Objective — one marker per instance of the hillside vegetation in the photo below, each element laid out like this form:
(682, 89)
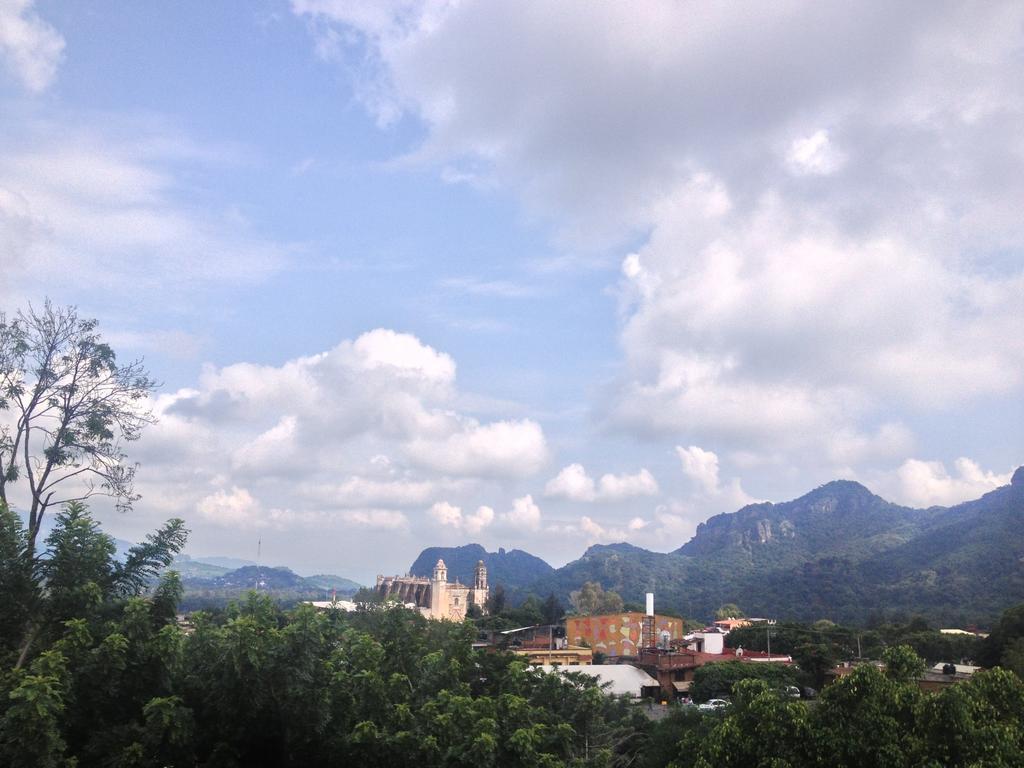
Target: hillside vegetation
(839, 552)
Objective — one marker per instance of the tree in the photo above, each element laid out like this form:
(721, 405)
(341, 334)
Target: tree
(552, 610)
(496, 600)
(79, 572)
(591, 599)
(729, 611)
(902, 664)
(74, 406)
(17, 587)
(815, 659)
(720, 678)
(1003, 635)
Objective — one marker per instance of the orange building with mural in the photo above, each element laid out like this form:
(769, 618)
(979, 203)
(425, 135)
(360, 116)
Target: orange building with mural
(618, 634)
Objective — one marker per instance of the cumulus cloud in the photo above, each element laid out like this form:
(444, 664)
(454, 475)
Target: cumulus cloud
(827, 195)
(524, 516)
(574, 484)
(500, 448)
(236, 507)
(814, 154)
(593, 531)
(449, 515)
(701, 467)
(334, 439)
(924, 483)
(29, 46)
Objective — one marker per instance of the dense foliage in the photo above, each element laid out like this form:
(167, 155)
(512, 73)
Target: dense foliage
(592, 599)
(718, 680)
(819, 646)
(113, 678)
(868, 718)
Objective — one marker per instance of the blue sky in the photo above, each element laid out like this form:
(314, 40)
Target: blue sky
(531, 274)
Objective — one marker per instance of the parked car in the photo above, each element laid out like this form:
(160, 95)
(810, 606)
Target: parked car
(713, 705)
(792, 692)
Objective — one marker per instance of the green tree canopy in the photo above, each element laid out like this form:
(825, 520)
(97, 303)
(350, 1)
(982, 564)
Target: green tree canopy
(592, 599)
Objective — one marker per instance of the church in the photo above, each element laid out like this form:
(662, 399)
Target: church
(436, 597)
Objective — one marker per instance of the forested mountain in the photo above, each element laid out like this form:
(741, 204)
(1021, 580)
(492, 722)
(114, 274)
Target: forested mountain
(512, 569)
(208, 586)
(838, 552)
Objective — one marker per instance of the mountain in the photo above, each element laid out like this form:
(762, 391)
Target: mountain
(189, 568)
(512, 569)
(228, 563)
(209, 586)
(328, 581)
(838, 552)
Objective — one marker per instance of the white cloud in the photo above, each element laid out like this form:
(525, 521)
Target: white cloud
(700, 466)
(595, 532)
(376, 518)
(774, 327)
(925, 483)
(525, 514)
(829, 195)
(617, 487)
(236, 507)
(574, 484)
(515, 448)
(74, 201)
(449, 515)
(814, 154)
(30, 47)
(335, 439)
(403, 354)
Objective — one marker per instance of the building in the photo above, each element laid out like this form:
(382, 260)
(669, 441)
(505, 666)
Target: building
(539, 644)
(436, 597)
(333, 605)
(932, 680)
(619, 634)
(709, 640)
(728, 625)
(618, 679)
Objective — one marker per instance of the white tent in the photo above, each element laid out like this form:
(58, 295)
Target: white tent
(622, 679)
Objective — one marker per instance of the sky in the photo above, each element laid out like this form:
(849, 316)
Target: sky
(530, 274)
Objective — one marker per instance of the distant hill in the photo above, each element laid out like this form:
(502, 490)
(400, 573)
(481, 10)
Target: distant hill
(838, 552)
(196, 569)
(329, 581)
(513, 569)
(228, 563)
(248, 576)
(209, 586)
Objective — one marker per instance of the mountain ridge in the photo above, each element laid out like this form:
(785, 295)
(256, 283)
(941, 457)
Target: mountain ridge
(512, 569)
(839, 551)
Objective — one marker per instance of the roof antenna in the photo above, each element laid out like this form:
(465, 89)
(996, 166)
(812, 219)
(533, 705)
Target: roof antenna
(259, 572)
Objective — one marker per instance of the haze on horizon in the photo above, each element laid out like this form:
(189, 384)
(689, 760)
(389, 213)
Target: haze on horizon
(529, 274)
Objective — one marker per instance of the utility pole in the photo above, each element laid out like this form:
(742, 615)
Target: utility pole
(858, 647)
(768, 634)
